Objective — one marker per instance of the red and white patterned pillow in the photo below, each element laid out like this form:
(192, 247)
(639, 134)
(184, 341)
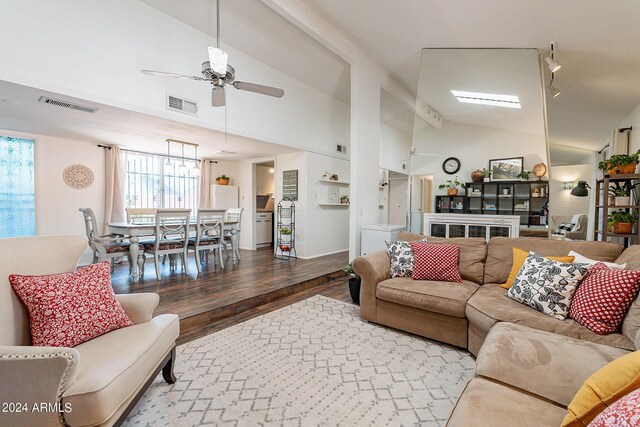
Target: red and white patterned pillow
(436, 262)
(603, 298)
(625, 412)
(70, 308)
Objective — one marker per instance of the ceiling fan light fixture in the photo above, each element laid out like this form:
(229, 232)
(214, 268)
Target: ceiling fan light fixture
(218, 60)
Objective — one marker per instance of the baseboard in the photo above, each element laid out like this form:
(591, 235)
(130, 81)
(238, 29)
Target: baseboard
(324, 254)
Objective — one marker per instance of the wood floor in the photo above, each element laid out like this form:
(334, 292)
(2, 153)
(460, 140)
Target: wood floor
(218, 298)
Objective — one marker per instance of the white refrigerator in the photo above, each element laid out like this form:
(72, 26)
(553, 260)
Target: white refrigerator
(224, 196)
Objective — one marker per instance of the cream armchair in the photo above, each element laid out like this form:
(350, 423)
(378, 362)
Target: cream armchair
(96, 383)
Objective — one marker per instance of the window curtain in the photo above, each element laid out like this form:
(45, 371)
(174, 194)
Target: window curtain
(205, 181)
(114, 192)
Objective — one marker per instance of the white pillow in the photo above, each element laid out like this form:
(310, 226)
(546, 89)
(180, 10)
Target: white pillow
(584, 260)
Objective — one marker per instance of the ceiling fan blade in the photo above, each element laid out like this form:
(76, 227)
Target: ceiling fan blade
(217, 97)
(218, 59)
(165, 74)
(264, 90)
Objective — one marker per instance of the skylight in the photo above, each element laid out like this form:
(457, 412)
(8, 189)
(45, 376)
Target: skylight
(496, 100)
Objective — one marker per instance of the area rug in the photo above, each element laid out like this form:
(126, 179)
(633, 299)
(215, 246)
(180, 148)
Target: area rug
(315, 362)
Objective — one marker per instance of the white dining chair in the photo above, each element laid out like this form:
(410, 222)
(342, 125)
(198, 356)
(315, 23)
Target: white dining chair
(172, 236)
(209, 223)
(232, 237)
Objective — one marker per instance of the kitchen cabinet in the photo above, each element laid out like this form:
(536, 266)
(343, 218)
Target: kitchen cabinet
(264, 228)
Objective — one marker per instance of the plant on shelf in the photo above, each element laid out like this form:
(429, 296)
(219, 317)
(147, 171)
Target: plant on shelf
(621, 192)
(223, 180)
(621, 222)
(452, 186)
(620, 164)
(525, 175)
(354, 283)
(480, 175)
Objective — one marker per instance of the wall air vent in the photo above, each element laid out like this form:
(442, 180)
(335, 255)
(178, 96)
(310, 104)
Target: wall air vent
(181, 105)
(341, 149)
(67, 104)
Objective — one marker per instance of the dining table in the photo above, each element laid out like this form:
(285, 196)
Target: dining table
(134, 230)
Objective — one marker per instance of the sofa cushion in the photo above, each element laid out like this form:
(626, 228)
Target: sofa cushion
(625, 412)
(435, 262)
(603, 298)
(631, 323)
(439, 297)
(527, 358)
(401, 259)
(499, 253)
(68, 309)
(484, 403)
(547, 285)
(518, 259)
(604, 387)
(473, 252)
(489, 305)
(114, 365)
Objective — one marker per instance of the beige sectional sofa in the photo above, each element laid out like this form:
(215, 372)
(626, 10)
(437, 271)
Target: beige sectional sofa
(504, 334)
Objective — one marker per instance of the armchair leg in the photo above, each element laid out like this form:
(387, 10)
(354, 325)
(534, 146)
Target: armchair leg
(167, 370)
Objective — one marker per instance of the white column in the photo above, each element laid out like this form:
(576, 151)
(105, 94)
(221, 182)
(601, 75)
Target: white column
(365, 147)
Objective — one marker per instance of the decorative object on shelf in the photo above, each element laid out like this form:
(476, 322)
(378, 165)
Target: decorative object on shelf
(334, 194)
(452, 186)
(524, 175)
(580, 190)
(78, 176)
(285, 244)
(325, 176)
(621, 222)
(620, 164)
(354, 283)
(621, 192)
(480, 175)
(539, 170)
(508, 169)
(334, 177)
(290, 185)
(451, 165)
(344, 200)
(535, 193)
(223, 180)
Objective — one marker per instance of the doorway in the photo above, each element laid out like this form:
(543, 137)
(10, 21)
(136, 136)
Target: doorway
(264, 203)
(398, 188)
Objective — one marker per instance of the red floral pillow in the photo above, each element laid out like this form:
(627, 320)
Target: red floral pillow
(625, 412)
(70, 308)
(603, 298)
(436, 262)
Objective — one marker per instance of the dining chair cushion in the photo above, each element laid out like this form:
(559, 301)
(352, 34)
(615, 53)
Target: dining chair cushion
(113, 248)
(204, 242)
(165, 245)
(70, 308)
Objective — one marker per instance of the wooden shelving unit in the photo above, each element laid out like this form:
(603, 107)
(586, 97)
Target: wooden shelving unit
(500, 198)
(602, 208)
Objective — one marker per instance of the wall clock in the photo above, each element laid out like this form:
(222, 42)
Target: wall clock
(451, 165)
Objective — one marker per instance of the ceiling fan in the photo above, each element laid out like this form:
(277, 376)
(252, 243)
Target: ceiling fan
(219, 73)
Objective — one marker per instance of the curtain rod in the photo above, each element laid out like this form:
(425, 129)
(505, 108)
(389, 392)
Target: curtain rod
(108, 147)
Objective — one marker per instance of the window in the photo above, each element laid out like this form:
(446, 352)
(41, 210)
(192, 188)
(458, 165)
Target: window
(17, 189)
(151, 183)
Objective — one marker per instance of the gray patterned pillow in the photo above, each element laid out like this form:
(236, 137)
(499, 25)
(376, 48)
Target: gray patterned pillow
(547, 285)
(401, 258)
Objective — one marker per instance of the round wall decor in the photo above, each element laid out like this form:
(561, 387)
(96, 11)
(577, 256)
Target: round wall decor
(78, 176)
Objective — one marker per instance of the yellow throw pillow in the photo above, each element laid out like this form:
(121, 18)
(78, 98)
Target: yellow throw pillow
(519, 257)
(608, 384)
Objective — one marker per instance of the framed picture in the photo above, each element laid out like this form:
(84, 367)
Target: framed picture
(290, 184)
(506, 169)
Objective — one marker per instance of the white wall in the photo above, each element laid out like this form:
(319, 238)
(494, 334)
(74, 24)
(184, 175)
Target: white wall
(95, 50)
(57, 204)
(265, 180)
(633, 120)
(395, 147)
(474, 146)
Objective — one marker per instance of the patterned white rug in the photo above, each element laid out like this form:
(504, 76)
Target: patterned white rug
(315, 362)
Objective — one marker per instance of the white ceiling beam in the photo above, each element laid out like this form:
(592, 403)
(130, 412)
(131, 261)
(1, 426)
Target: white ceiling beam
(315, 26)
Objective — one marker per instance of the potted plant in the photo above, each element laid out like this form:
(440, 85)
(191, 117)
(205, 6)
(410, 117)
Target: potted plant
(524, 175)
(223, 180)
(621, 222)
(620, 164)
(480, 175)
(621, 193)
(452, 186)
(354, 284)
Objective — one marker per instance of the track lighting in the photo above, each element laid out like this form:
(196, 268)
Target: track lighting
(551, 59)
(554, 91)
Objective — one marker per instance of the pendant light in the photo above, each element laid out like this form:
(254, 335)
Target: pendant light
(168, 166)
(182, 169)
(195, 171)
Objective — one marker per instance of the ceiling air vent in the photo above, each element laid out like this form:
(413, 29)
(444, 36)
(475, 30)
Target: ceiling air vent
(67, 104)
(181, 105)
(341, 149)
